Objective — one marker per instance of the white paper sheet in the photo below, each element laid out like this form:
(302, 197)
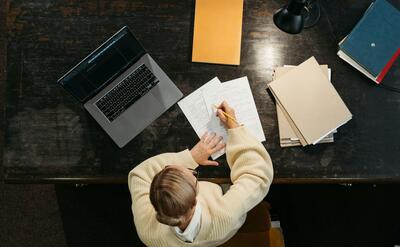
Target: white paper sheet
(198, 108)
(195, 110)
(237, 93)
(214, 97)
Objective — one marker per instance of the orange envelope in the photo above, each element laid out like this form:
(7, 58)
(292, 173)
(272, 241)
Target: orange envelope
(217, 31)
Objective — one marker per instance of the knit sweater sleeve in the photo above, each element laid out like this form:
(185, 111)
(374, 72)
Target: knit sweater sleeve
(139, 181)
(251, 171)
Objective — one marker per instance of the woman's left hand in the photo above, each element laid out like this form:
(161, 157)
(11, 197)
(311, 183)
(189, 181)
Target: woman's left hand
(208, 144)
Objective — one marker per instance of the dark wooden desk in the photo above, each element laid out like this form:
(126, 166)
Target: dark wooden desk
(49, 137)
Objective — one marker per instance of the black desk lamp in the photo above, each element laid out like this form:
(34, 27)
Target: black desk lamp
(298, 14)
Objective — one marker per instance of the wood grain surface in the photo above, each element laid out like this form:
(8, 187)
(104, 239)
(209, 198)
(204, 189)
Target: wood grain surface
(49, 137)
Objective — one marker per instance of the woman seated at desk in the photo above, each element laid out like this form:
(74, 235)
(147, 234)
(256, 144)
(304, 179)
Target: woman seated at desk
(171, 208)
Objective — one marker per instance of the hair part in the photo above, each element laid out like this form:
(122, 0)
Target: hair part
(172, 196)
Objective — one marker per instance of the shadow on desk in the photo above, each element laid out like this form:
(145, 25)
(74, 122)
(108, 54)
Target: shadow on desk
(97, 215)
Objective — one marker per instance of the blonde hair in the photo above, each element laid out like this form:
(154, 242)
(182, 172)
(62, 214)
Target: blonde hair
(172, 196)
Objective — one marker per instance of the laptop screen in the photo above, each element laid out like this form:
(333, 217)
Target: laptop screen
(103, 65)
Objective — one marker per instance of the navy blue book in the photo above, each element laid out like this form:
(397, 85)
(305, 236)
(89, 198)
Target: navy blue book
(374, 43)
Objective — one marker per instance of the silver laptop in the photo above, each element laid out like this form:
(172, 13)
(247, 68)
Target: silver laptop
(121, 86)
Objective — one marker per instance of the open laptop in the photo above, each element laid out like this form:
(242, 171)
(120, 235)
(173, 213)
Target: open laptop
(121, 86)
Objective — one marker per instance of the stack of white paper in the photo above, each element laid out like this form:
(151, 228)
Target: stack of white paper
(201, 114)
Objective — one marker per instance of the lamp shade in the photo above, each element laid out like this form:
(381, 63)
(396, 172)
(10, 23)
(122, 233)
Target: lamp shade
(290, 18)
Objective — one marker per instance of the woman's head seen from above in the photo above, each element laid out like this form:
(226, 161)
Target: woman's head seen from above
(173, 194)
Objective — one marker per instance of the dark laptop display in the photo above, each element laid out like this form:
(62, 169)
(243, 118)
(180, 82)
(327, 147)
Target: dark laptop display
(103, 65)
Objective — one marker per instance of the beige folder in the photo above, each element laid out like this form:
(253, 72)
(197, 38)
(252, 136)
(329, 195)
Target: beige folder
(310, 101)
(217, 31)
(287, 135)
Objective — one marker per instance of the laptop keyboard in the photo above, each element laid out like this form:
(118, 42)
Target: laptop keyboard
(127, 92)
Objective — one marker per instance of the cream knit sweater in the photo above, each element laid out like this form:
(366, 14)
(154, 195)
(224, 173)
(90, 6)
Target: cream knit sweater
(222, 214)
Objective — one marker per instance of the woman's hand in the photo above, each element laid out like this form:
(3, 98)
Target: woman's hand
(208, 144)
(229, 123)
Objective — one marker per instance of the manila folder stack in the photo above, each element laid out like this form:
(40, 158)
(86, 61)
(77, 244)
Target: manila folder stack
(310, 101)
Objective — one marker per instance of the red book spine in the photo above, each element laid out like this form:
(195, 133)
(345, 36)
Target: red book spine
(388, 66)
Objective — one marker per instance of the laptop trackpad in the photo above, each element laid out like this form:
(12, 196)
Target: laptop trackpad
(143, 112)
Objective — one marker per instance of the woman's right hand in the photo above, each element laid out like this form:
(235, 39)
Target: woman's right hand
(229, 123)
